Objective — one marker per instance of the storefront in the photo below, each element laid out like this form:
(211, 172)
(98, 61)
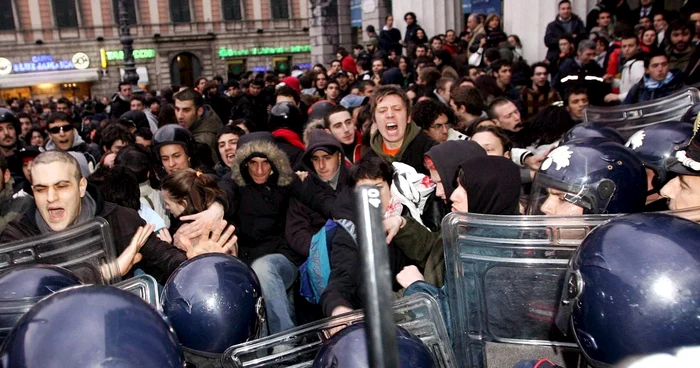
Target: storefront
(280, 59)
(45, 76)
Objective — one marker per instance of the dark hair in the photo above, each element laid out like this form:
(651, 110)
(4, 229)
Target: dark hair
(196, 83)
(434, 38)
(115, 132)
(488, 87)
(167, 115)
(23, 114)
(145, 133)
(65, 101)
(574, 89)
(494, 104)
(117, 185)
(421, 91)
(248, 123)
(653, 54)
(500, 63)
(536, 65)
(137, 159)
(364, 63)
(230, 129)
(476, 124)
(680, 25)
(412, 14)
(425, 113)
(122, 83)
(430, 76)
(492, 54)
(197, 190)
(288, 91)
(28, 136)
(363, 85)
(332, 111)
(258, 82)
(371, 167)
(499, 133)
(58, 116)
(342, 51)
(569, 37)
(190, 94)
(139, 98)
(470, 98)
(546, 127)
(563, 2)
(152, 100)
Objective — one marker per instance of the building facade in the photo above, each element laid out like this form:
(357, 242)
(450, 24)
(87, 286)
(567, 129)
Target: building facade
(72, 47)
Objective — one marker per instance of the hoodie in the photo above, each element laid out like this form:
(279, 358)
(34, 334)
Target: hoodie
(303, 222)
(91, 152)
(447, 156)
(492, 184)
(415, 144)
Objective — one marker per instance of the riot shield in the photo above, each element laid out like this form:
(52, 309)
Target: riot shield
(145, 287)
(504, 276)
(627, 119)
(87, 250)
(418, 313)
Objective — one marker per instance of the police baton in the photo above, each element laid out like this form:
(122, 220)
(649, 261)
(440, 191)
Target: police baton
(379, 316)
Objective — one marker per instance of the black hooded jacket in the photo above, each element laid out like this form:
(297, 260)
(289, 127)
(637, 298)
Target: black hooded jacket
(492, 184)
(447, 156)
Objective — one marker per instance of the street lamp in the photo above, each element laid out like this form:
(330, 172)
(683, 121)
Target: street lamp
(127, 41)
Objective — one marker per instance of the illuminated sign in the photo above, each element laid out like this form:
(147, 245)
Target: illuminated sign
(225, 52)
(304, 66)
(138, 54)
(47, 63)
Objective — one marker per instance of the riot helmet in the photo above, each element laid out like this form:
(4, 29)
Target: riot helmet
(285, 115)
(348, 348)
(656, 144)
(173, 134)
(589, 176)
(593, 130)
(213, 301)
(632, 288)
(92, 326)
(23, 286)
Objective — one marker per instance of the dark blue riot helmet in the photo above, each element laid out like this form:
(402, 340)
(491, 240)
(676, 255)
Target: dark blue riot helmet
(595, 174)
(348, 348)
(92, 326)
(593, 130)
(692, 114)
(21, 287)
(213, 301)
(656, 144)
(173, 134)
(633, 288)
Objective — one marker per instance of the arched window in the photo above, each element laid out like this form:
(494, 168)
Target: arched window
(184, 68)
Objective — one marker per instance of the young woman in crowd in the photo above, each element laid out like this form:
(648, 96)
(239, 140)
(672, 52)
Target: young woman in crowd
(648, 41)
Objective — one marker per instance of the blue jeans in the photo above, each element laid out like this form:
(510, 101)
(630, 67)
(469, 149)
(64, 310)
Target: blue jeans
(277, 275)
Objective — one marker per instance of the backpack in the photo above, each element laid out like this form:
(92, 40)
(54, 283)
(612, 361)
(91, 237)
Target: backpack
(316, 270)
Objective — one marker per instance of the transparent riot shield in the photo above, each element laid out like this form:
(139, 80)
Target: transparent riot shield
(504, 276)
(418, 313)
(628, 119)
(87, 250)
(145, 287)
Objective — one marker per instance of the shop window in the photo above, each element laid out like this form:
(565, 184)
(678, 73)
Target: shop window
(233, 10)
(130, 10)
(180, 11)
(66, 13)
(7, 19)
(281, 64)
(280, 9)
(184, 68)
(235, 68)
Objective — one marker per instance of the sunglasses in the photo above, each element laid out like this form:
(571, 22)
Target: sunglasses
(62, 128)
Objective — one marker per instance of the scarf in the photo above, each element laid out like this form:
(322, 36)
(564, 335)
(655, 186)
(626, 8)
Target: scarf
(412, 131)
(654, 84)
(88, 207)
(289, 136)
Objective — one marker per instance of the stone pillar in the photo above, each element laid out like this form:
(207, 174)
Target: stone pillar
(373, 12)
(329, 28)
(529, 19)
(434, 16)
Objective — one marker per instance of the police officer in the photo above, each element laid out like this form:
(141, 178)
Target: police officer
(683, 191)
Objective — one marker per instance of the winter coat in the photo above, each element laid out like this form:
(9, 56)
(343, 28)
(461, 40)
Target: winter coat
(206, 128)
(260, 210)
(632, 73)
(410, 32)
(556, 29)
(11, 207)
(90, 150)
(680, 61)
(389, 40)
(118, 106)
(159, 260)
(415, 144)
(241, 108)
(642, 92)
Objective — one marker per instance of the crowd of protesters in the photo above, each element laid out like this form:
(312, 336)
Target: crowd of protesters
(458, 121)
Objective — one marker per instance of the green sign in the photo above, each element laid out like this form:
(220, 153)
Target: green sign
(225, 52)
(138, 54)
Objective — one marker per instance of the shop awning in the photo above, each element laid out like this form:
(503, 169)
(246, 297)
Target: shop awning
(54, 77)
(141, 71)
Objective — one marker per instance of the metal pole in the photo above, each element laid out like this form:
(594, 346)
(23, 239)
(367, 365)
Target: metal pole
(127, 41)
(379, 317)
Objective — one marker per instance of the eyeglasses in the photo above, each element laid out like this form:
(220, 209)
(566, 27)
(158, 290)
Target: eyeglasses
(440, 126)
(62, 128)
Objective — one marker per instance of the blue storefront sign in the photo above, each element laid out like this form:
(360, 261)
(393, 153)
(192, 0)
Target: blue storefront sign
(482, 6)
(356, 13)
(42, 63)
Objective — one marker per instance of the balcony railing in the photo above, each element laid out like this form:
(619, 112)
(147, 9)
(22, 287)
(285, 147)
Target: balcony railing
(243, 27)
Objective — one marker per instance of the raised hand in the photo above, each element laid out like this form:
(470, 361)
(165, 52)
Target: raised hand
(131, 256)
(218, 240)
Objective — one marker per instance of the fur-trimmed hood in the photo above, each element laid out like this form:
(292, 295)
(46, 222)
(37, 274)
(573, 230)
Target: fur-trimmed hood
(282, 173)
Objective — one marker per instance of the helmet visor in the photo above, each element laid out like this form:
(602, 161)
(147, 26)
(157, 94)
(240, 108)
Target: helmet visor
(550, 196)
